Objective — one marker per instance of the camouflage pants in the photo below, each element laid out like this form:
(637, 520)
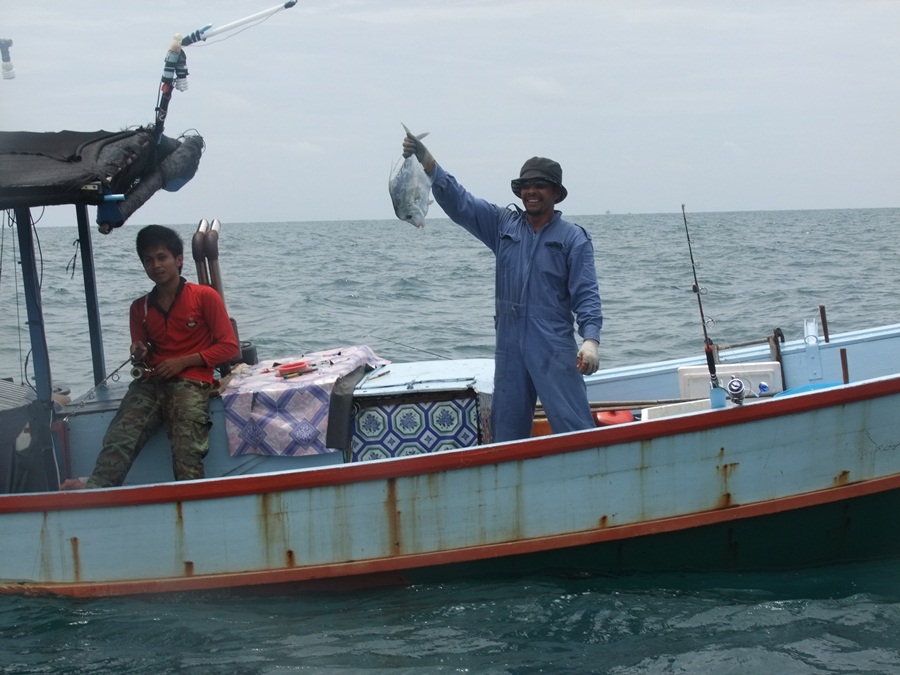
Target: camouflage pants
(182, 405)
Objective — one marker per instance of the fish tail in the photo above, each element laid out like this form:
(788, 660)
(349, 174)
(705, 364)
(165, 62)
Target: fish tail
(409, 133)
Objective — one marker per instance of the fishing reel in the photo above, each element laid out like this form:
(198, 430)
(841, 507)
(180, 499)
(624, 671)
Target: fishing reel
(737, 390)
(141, 371)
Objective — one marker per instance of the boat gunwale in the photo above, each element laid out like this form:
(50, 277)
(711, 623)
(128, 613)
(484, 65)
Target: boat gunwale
(450, 460)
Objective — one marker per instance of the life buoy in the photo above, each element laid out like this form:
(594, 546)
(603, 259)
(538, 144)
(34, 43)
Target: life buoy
(606, 417)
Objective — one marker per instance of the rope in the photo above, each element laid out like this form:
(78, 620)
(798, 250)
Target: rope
(405, 346)
(73, 262)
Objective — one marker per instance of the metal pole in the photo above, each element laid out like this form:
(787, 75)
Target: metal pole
(90, 293)
(40, 357)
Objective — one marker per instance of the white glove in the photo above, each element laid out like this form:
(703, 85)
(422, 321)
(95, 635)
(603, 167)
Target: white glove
(589, 357)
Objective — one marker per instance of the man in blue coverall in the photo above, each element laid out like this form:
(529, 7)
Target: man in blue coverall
(545, 277)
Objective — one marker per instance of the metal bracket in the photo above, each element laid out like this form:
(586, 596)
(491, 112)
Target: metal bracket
(813, 357)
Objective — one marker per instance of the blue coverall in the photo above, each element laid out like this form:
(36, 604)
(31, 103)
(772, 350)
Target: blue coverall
(542, 280)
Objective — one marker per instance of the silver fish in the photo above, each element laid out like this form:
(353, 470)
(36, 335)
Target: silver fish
(410, 187)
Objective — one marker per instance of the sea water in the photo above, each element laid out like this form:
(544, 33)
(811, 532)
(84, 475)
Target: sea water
(428, 294)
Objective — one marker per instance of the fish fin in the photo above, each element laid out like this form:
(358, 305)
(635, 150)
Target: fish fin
(409, 133)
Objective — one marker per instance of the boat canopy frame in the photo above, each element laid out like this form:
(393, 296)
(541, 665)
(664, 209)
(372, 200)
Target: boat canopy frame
(115, 171)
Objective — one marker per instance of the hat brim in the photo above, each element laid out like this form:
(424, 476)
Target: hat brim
(517, 191)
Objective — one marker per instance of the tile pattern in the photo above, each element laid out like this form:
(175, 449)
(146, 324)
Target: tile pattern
(414, 427)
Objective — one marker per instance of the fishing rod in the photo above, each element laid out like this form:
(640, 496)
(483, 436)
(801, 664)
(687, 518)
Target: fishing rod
(400, 344)
(175, 70)
(90, 394)
(717, 394)
(208, 31)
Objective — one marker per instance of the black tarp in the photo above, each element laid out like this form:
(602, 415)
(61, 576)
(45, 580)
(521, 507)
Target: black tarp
(81, 167)
(15, 403)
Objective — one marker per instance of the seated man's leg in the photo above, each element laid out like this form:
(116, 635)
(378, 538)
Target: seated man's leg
(186, 415)
(140, 413)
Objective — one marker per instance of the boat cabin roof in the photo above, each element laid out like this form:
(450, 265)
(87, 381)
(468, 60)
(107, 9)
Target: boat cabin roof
(117, 171)
(426, 376)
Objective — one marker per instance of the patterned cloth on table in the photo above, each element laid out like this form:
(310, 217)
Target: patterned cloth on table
(266, 414)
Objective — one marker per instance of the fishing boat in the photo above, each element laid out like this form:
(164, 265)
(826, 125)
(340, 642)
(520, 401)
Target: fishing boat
(339, 469)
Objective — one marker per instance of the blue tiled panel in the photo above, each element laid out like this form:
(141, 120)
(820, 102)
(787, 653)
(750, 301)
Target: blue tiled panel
(414, 428)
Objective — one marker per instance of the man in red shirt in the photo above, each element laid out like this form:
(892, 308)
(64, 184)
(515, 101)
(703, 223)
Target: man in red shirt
(180, 331)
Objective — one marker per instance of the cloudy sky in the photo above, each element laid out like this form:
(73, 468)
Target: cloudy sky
(726, 106)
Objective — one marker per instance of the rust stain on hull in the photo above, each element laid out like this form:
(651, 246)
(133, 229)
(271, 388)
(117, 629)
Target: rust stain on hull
(393, 516)
(843, 478)
(179, 536)
(725, 472)
(76, 558)
(273, 526)
(46, 562)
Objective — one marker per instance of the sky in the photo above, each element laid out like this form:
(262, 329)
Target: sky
(646, 104)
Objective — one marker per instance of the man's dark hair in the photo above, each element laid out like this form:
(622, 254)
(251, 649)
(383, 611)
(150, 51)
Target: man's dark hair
(153, 235)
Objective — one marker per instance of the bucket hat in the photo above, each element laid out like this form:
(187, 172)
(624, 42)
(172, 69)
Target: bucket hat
(540, 167)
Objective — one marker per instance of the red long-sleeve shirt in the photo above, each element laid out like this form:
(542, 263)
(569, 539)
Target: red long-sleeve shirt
(197, 322)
